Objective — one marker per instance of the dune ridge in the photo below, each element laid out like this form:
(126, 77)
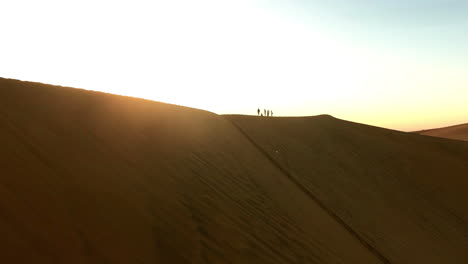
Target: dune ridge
(457, 132)
(89, 177)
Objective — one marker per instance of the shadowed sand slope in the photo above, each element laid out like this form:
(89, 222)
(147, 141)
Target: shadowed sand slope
(88, 177)
(404, 194)
(459, 132)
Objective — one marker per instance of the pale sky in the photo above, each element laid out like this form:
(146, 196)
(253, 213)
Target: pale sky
(395, 64)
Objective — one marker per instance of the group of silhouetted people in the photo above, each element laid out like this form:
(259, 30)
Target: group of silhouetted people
(265, 112)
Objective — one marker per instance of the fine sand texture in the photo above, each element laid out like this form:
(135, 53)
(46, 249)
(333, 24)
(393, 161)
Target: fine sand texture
(90, 177)
(404, 194)
(458, 132)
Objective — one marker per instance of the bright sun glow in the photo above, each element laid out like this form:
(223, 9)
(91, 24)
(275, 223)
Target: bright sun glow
(225, 57)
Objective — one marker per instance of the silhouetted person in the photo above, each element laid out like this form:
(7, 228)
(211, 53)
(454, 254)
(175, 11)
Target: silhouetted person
(258, 111)
(271, 113)
(268, 112)
(264, 112)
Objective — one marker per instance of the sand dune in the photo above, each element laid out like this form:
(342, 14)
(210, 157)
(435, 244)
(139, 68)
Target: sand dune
(458, 132)
(88, 177)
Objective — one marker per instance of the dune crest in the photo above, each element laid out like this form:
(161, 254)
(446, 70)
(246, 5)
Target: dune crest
(458, 132)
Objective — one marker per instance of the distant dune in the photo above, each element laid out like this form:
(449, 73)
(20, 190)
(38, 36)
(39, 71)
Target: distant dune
(89, 177)
(458, 132)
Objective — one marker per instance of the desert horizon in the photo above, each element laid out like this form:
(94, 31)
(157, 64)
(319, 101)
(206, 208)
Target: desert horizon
(422, 128)
(394, 64)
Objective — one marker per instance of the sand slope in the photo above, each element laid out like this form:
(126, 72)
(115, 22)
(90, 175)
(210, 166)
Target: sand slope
(405, 194)
(459, 132)
(88, 177)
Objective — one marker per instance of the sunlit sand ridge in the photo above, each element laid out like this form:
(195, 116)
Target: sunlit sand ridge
(458, 132)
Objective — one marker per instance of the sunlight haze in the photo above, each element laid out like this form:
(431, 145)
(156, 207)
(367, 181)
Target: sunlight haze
(395, 64)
